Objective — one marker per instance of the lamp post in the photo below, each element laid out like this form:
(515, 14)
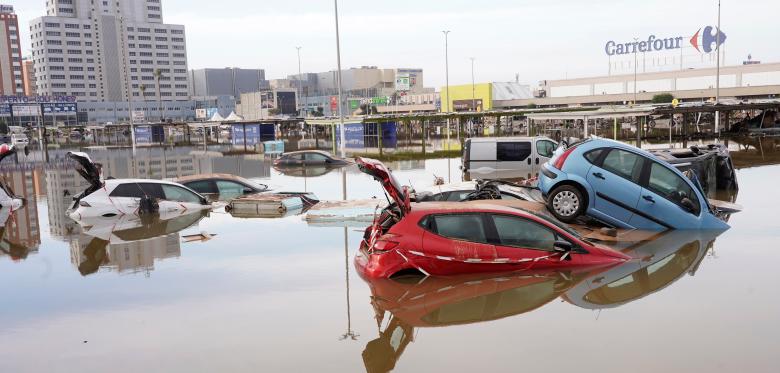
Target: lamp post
(300, 86)
(473, 96)
(717, 76)
(447, 78)
(636, 41)
(338, 65)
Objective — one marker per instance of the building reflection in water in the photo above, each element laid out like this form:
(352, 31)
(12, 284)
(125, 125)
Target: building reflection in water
(21, 233)
(129, 244)
(403, 304)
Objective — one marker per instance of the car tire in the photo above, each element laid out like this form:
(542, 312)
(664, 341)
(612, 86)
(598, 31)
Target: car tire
(566, 202)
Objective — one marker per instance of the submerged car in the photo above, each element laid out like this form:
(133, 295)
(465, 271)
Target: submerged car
(221, 186)
(113, 197)
(449, 238)
(309, 158)
(623, 186)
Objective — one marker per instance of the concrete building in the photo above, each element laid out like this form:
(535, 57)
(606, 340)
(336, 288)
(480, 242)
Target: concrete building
(481, 96)
(739, 81)
(261, 105)
(107, 50)
(28, 77)
(11, 80)
(230, 81)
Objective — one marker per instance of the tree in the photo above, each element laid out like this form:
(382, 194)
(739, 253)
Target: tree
(319, 113)
(531, 106)
(663, 98)
(157, 76)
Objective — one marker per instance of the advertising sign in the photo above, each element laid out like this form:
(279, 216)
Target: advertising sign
(252, 134)
(5, 110)
(143, 134)
(200, 114)
(334, 103)
(138, 116)
(38, 99)
(59, 108)
(354, 104)
(22, 110)
(380, 100)
(403, 82)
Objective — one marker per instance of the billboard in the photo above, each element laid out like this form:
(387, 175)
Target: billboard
(138, 116)
(143, 134)
(403, 82)
(285, 102)
(334, 103)
(252, 134)
(59, 108)
(5, 110)
(200, 114)
(26, 110)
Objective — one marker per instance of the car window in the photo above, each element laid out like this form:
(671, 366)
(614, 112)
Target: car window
(230, 187)
(316, 157)
(519, 232)
(669, 185)
(623, 163)
(468, 227)
(457, 196)
(593, 155)
(201, 186)
(179, 194)
(512, 151)
(545, 148)
(137, 190)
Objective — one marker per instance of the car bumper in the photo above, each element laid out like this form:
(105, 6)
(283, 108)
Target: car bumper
(547, 178)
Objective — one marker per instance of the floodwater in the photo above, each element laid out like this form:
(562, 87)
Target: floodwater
(278, 295)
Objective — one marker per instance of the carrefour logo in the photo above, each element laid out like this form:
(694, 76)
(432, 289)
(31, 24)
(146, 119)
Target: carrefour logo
(705, 42)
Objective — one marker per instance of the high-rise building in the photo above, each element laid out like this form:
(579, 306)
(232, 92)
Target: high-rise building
(11, 82)
(93, 49)
(28, 77)
(230, 81)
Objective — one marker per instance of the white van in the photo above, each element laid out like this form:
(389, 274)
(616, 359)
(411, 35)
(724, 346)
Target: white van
(506, 157)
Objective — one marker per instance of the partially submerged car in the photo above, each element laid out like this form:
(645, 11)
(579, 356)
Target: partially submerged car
(448, 238)
(309, 158)
(625, 187)
(221, 187)
(8, 199)
(113, 197)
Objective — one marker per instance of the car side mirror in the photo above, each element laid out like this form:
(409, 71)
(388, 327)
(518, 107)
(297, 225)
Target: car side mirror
(248, 190)
(687, 204)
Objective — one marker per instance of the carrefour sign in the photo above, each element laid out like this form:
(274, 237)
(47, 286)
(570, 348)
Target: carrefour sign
(704, 40)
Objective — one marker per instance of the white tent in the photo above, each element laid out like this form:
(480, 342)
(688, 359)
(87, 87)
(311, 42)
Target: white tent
(216, 118)
(233, 117)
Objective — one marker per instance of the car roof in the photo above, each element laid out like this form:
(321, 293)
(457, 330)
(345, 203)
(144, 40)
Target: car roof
(310, 151)
(199, 177)
(114, 182)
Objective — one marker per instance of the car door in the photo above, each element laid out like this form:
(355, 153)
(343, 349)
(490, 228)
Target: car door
(176, 198)
(661, 206)
(459, 236)
(615, 182)
(544, 150)
(481, 160)
(514, 159)
(520, 238)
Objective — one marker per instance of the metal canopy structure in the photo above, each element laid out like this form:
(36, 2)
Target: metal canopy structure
(600, 113)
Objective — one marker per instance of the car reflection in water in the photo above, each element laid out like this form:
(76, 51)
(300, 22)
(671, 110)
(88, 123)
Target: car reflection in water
(660, 263)
(129, 243)
(447, 301)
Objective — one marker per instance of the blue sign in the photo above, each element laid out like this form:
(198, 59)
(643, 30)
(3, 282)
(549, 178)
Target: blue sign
(252, 134)
(143, 134)
(60, 108)
(703, 42)
(5, 109)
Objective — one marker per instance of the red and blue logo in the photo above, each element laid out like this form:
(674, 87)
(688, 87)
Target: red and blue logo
(709, 40)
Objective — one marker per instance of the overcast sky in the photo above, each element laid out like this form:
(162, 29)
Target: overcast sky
(535, 39)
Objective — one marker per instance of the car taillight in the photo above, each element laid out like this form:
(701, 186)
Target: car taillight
(84, 204)
(560, 160)
(383, 246)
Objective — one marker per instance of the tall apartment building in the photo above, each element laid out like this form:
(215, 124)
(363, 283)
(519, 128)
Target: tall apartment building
(28, 76)
(11, 82)
(92, 49)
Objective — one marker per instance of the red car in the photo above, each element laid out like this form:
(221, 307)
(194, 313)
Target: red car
(449, 238)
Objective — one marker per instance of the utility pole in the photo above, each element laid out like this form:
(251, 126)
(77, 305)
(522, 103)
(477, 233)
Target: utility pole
(300, 84)
(636, 41)
(717, 76)
(338, 65)
(127, 81)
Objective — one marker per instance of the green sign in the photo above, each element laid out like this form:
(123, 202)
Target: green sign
(379, 100)
(354, 104)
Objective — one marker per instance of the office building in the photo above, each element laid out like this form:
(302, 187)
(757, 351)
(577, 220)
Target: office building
(28, 77)
(11, 81)
(109, 51)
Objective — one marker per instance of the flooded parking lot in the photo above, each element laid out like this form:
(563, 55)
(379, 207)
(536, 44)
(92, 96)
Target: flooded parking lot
(283, 295)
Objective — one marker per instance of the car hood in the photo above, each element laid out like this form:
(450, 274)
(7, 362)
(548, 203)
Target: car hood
(89, 170)
(382, 174)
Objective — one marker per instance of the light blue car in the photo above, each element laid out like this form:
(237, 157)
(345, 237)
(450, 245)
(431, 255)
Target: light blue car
(623, 186)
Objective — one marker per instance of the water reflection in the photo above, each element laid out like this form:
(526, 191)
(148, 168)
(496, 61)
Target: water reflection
(129, 243)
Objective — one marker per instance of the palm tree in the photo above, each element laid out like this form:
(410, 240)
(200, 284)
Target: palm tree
(157, 76)
(143, 91)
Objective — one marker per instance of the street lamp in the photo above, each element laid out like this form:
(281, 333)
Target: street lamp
(338, 65)
(447, 78)
(636, 42)
(473, 96)
(717, 76)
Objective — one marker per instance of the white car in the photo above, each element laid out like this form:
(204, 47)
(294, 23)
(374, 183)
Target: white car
(112, 197)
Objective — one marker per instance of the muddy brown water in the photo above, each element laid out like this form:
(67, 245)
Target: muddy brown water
(279, 295)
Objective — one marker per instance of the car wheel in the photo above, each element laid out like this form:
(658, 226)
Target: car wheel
(566, 203)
